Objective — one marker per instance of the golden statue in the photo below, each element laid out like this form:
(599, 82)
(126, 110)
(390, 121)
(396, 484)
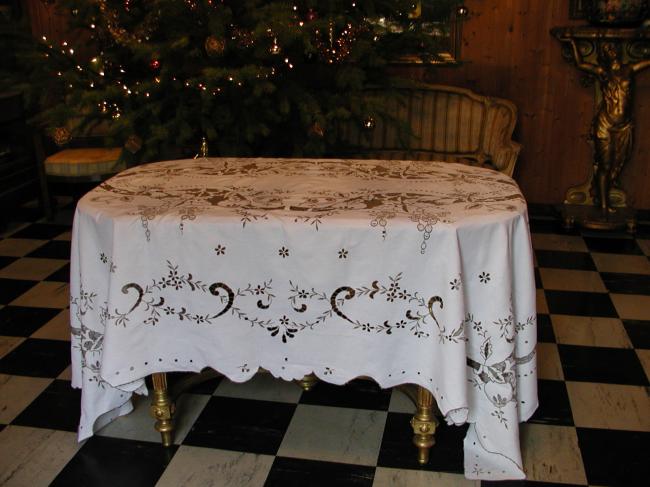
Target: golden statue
(612, 126)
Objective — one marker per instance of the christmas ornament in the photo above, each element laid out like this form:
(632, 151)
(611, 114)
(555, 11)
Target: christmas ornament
(275, 48)
(154, 64)
(317, 129)
(61, 136)
(214, 46)
(133, 144)
(203, 150)
(369, 123)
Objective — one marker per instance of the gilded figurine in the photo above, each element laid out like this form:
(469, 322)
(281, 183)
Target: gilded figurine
(612, 126)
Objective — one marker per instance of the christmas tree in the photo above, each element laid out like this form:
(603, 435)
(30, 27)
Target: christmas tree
(254, 77)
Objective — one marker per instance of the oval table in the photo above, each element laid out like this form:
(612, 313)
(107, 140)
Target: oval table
(405, 272)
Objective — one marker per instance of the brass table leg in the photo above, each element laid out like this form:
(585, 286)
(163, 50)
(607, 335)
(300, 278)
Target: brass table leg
(162, 408)
(308, 382)
(424, 424)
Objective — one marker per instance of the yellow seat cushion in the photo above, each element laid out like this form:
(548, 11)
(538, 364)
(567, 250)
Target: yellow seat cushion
(85, 162)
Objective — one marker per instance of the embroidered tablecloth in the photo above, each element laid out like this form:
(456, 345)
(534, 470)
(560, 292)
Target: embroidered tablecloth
(401, 271)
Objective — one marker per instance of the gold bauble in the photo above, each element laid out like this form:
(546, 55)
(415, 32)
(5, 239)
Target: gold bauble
(61, 136)
(133, 144)
(275, 48)
(214, 46)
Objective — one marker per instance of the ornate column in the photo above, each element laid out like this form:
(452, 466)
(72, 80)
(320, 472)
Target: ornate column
(611, 57)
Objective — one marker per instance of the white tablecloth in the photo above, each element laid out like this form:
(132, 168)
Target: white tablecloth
(402, 271)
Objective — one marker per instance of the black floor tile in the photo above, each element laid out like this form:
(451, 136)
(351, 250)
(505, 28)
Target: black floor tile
(614, 458)
(241, 425)
(598, 364)
(612, 245)
(554, 406)
(294, 472)
(545, 331)
(626, 283)
(25, 214)
(5, 261)
(558, 259)
(43, 231)
(23, 321)
(57, 407)
(10, 289)
(37, 358)
(360, 394)
(639, 332)
(589, 232)
(111, 462)
(397, 449)
(62, 275)
(550, 225)
(54, 249)
(580, 304)
(174, 380)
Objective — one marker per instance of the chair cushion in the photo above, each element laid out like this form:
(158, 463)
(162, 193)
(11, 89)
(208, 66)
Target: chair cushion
(85, 162)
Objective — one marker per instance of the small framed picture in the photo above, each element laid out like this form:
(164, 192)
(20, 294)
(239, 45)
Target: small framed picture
(577, 9)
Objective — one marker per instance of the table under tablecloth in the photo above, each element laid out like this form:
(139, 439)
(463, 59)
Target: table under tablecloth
(401, 271)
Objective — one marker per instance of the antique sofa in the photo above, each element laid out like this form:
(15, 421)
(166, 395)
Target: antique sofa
(446, 124)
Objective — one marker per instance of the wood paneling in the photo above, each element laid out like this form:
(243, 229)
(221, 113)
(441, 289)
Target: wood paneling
(508, 52)
(44, 20)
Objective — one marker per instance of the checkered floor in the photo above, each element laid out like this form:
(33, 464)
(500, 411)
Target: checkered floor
(592, 427)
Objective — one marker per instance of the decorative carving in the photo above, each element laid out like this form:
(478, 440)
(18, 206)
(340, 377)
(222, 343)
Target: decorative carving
(612, 57)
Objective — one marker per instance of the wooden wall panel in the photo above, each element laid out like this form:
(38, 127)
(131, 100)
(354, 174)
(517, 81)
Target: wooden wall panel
(44, 20)
(508, 52)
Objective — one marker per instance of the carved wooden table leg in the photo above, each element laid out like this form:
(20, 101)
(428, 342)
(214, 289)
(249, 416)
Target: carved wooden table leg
(162, 408)
(424, 424)
(308, 382)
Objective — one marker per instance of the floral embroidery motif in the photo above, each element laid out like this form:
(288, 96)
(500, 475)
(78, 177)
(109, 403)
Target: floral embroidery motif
(111, 266)
(220, 249)
(343, 254)
(153, 300)
(88, 341)
(455, 284)
(153, 304)
(283, 252)
(424, 205)
(484, 277)
(497, 380)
